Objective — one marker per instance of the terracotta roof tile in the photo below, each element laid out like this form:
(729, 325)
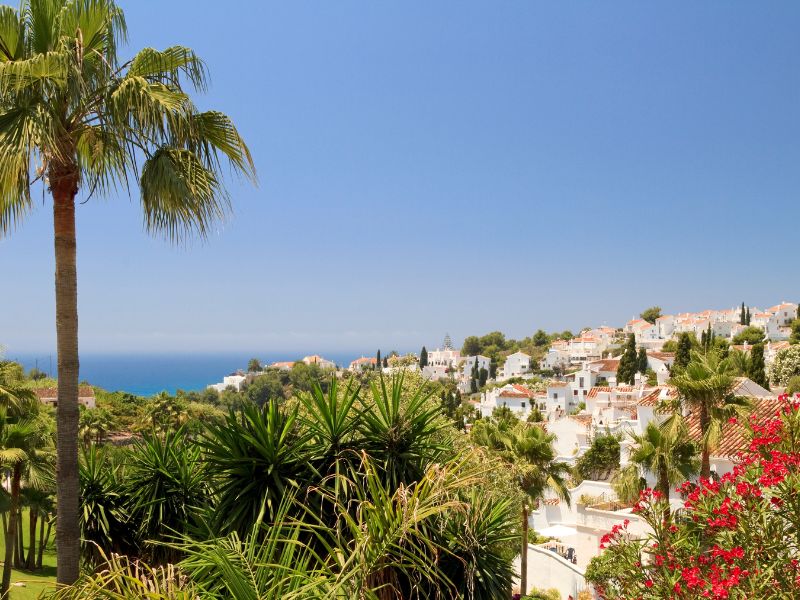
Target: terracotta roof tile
(734, 437)
(84, 391)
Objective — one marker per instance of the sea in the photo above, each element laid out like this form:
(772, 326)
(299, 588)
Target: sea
(148, 374)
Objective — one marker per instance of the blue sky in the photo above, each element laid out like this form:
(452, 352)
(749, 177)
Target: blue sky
(452, 167)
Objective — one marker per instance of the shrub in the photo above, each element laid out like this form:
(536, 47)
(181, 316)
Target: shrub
(712, 547)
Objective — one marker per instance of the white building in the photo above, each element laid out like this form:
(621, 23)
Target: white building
(322, 363)
(516, 397)
(516, 365)
(49, 396)
(234, 380)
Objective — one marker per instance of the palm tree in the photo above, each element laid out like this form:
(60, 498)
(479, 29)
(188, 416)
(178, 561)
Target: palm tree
(666, 453)
(706, 385)
(15, 395)
(529, 449)
(77, 118)
(22, 453)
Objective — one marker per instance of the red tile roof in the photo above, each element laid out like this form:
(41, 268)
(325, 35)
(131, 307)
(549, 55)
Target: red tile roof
(650, 399)
(522, 390)
(734, 436)
(585, 420)
(597, 389)
(608, 364)
(51, 393)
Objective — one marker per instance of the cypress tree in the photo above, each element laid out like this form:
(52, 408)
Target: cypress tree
(641, 361)
(703, 340)
(742, 316)
(756, 370)
(628, 363)
(423, 358)
(483, 374)
(378, 362)
(683, 353)
(747, 317)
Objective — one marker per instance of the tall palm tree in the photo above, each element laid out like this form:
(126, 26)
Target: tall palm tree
(77, 118)
(666, 453)
(706, 385)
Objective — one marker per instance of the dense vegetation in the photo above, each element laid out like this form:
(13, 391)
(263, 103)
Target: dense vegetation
(362, 487)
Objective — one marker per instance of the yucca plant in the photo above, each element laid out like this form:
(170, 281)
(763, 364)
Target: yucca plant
(477, 540)
(402, 431)
(256, 457)
(166, 488)
(106, 526)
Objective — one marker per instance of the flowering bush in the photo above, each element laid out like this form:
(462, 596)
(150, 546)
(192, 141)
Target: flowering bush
(737, 537)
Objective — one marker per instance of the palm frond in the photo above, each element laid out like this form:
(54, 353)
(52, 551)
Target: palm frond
(180, 195)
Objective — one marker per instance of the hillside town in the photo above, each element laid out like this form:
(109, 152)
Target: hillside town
(576, 391)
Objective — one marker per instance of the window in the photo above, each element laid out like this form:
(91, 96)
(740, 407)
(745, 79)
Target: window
(584, 392)
(580, 384)
(555, 395)
(574, 392)
(522, 404)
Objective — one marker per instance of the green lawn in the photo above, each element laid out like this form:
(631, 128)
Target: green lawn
(35, 581)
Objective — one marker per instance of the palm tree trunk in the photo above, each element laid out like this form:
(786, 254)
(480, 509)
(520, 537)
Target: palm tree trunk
(523, 558)
(19, 551)
(43, 539)
(64, 185)
(705, 459)
(30, 563)
(11, 534)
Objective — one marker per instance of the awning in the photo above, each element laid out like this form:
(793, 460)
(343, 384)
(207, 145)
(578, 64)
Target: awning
(558, 531)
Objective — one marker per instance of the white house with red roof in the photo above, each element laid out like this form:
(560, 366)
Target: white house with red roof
(363, 364)
(517, 398)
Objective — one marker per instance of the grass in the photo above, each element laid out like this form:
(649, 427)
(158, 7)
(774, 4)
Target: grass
(35, 581)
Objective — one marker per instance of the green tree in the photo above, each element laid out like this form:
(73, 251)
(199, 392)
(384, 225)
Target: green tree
(423, 358)
(540, 338)
(600, 460)
(756, 369)
(651, 314)
(706, 385)
(254, 365)
(641, 361)
(77, 117)
(266, 387)
(626, 372)
(795, 336)
(747, 317)
(750, 335)
(743, 316)
(483, 375)
(472, 346)
(683, 351)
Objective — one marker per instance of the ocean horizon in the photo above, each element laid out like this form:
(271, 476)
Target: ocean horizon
(145, 374)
